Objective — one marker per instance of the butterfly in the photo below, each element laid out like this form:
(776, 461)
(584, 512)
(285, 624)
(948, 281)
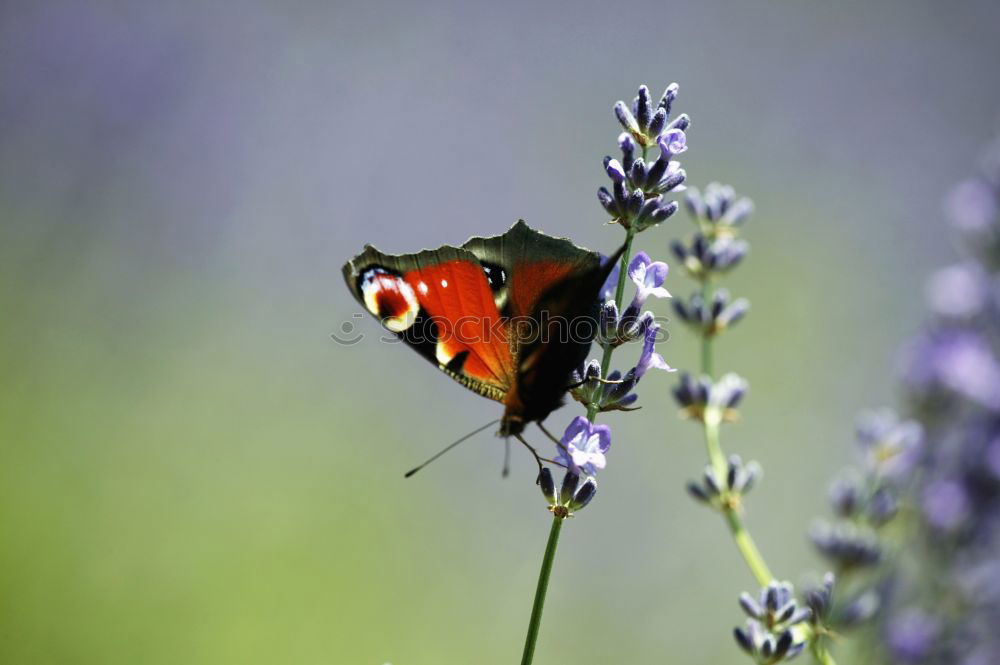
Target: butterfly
(508, 317)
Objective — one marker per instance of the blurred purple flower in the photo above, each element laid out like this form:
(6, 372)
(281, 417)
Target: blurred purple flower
(956, 361)
(584, 446)
(960, 291)
(945, 504)
(892, 446)
(952, 372)
(993, 457)
(911, 635)
(972, 206)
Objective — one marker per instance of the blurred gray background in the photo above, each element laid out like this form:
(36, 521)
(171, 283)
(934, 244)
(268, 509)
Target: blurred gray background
(193, 472)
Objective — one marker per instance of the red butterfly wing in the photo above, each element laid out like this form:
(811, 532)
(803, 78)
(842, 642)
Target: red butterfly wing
(462, 308)
(440, 303)
(550, 294)
(530, 262)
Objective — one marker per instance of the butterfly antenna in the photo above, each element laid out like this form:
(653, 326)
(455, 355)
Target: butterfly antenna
(506, 458)
(450, 446)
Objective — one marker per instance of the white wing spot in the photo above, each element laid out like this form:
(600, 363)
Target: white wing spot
(444, 284)
(423, 288)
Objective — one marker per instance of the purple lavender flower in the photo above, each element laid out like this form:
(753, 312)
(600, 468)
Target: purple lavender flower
(584, 446)
(945, 504)
(891, 446)
(993, 457)
(626, 118)
(615, 170)
(648, 277)
(710, 319)
(628, 146)
(703, 256)
(636, 199)
(719, 207)
(911, 636)
(649, 358)
(701, 399)
(972, 207)
(769, 635)
(960, 291)
(740, 478)
(952, 375)
(616, 392)
(953, 362)
(572, 495)
(727, 392)
(672, 142)
(611, 283)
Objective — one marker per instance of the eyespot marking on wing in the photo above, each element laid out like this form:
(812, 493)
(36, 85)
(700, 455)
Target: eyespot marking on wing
(389, 298)
(496, 276)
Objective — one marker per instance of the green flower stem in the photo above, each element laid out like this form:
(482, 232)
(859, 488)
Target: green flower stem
(744, 541)
(543, 584)
(557, 520)
(712, 446)
(713, 420)
(822, 656)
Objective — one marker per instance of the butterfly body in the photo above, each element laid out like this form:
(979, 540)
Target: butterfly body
(508, 317)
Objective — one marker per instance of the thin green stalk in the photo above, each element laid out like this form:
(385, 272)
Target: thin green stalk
(543, 584)
(741, 537)
(744, 541)
(822, 656)
(714, 449)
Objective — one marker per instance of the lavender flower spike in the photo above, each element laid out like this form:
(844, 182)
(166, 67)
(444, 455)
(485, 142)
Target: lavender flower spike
(584, 446)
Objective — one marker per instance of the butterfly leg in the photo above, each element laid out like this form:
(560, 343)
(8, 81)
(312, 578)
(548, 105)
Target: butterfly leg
(551, 437)
(531, 449)
(538, 458)
(609, 382)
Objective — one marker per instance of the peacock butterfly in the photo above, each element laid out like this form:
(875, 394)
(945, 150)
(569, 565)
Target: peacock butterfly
(508, 317)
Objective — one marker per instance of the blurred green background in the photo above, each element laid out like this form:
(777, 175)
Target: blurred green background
(193, 472)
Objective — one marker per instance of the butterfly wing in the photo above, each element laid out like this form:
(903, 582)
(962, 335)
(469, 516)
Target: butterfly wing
(568, 317)
(522, 263)
(439, 302)
(548, 290)
(507, 316)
